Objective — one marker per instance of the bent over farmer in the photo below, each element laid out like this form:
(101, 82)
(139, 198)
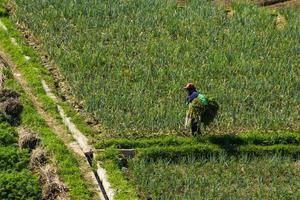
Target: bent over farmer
(197, 103)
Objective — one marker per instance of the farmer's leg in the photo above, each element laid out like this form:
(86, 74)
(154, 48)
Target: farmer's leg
(195, 127)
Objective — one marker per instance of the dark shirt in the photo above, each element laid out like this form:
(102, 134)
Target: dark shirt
(193, 94)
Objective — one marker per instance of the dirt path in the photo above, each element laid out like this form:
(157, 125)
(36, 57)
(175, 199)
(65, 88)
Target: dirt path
(56, 127)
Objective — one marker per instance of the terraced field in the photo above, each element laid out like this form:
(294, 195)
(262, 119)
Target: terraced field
(111, 52)
(223, 177)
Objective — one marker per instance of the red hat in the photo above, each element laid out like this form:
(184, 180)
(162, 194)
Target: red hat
(189, 86)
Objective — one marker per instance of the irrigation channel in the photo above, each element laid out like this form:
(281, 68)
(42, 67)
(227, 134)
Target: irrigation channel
(81, 146)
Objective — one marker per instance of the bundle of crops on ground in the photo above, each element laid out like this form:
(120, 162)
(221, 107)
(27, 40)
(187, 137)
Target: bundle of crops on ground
(128, 60)
(224, 177)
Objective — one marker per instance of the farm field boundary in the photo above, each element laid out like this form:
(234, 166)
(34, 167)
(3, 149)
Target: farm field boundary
(99, 172)
(200, 149)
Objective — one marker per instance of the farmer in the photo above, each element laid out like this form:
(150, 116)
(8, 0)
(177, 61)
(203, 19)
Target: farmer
(197, 103)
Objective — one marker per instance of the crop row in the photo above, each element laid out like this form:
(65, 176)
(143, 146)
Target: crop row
(127, 61)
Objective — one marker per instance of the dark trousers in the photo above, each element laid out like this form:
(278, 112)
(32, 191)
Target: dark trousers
(195, 127)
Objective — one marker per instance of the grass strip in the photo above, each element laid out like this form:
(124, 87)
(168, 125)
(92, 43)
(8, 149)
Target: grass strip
(116, 178)
(157, 153)
(110, 160)
(279, 149)
(242, 139)
(144, 142)
(200, 150)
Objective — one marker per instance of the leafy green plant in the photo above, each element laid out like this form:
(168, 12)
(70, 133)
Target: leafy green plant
(12, 158)
(19, 185)
(7, 135)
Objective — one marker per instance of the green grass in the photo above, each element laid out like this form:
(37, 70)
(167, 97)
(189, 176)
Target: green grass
(128, 61)
(256, 138)
(269, 177)
(125, 188)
